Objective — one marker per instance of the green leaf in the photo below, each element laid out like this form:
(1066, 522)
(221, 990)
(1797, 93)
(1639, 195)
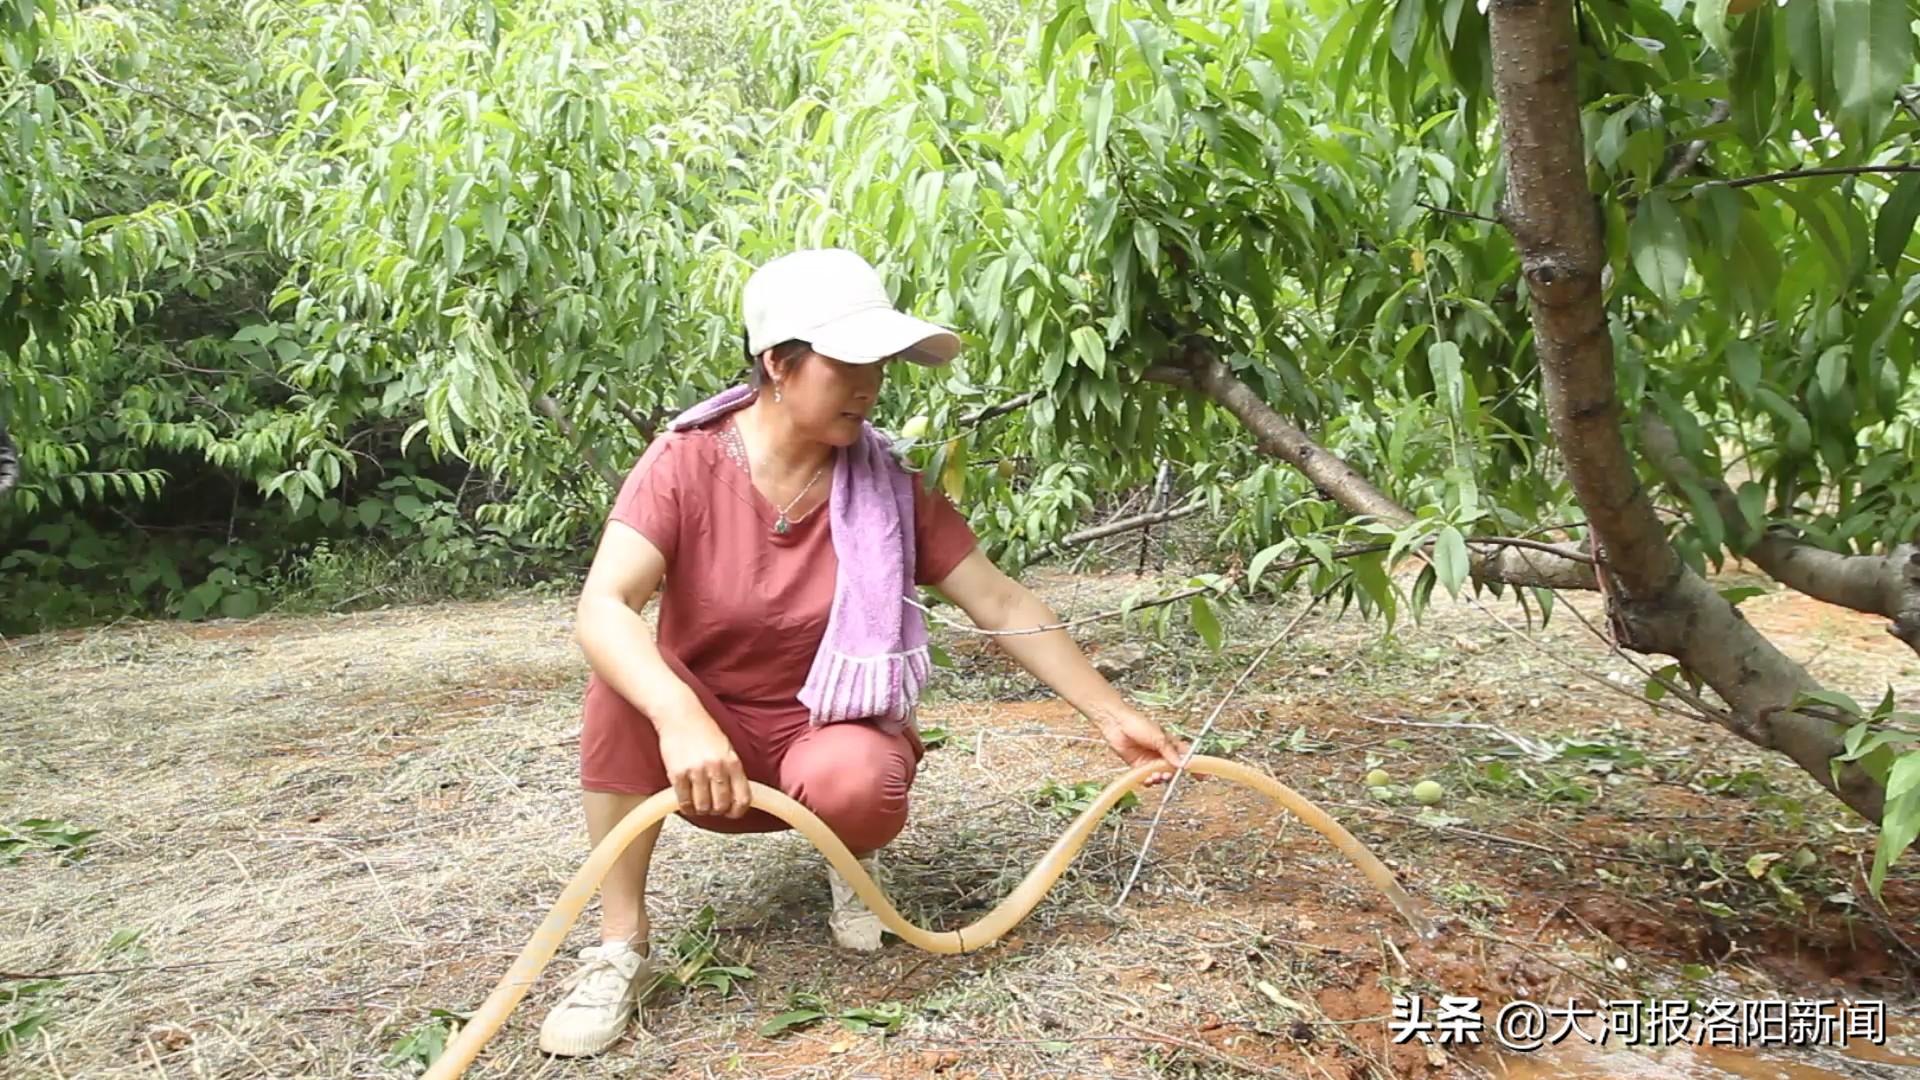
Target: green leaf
(1100, 117)
(1370, 572)
(1872, 55)
(493, 223)
(456, 247)
(1090, 349)
(1743, 363)
(1808, 34)
(1706, 517)
(1362, 22)
(240, 605)
(1450, 559)
(1831, 371)
(787, 1021)
(1146, 239)
(1658, 242)
(1406, 28)
(1710, 17)
(1260, 562)
(1893, 228)
(1905, 776)
(1831, 698)
(1899, 826)
(1754, 80)
(1206, 623)
(1449, 384)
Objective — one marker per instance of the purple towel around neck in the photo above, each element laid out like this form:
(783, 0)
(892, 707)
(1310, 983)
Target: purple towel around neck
(874, 659)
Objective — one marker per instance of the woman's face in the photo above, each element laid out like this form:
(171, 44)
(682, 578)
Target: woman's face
(827, 399)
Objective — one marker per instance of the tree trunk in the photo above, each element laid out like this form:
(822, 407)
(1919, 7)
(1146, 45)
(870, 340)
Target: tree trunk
(1656, 603)
(1876, 584)
(1200, 370)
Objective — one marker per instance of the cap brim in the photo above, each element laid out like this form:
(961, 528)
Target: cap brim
(868, 337)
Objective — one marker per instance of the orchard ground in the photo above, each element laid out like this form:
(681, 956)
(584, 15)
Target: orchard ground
(314, 832)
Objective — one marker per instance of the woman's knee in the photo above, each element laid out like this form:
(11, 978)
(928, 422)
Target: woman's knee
(855, 778)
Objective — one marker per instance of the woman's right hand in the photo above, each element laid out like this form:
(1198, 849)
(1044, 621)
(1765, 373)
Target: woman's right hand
(705, 772)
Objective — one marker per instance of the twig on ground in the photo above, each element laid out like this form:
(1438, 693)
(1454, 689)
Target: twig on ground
(1494, 838)
(1619, 988)
(1194, 747)
(1530, 748)
(1203, 1049)
(29, 976)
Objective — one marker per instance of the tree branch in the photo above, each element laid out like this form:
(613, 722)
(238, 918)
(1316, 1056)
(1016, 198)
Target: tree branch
(1199, 369)
(1690, 156)
(646, 427)
(1468, 214)
(1014, 404)
(552, 411)
(1824, 170)
(1876, 584)
(1138, 521)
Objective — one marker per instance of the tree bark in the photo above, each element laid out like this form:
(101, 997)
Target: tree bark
(1656, 603)
(1201, 371)
(647, 426)
(1876, 584)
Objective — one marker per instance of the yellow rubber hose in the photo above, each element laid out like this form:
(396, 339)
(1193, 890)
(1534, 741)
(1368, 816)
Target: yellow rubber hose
(987, 929)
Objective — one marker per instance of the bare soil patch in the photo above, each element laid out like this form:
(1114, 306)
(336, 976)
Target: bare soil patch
(321, 829)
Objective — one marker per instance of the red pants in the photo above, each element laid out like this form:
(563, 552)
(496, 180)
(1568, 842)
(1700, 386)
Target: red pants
(853, 775)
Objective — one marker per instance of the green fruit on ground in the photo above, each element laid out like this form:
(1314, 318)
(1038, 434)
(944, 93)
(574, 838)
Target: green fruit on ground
(1378, 778)
(1429, 792)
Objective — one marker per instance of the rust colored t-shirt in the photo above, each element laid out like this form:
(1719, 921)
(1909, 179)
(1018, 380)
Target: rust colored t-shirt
(744, 607)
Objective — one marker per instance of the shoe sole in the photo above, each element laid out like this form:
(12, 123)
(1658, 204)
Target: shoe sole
(581, 1046)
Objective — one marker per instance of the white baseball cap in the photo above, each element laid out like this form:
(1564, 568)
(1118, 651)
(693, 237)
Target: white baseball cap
(834, 300)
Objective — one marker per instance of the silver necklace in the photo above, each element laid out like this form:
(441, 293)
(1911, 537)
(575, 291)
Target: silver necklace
(782, 525)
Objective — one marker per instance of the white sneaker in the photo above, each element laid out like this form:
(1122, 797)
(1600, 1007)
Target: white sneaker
(603, 996)
(854, 926)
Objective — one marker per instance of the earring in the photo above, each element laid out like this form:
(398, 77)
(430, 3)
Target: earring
(776, 391)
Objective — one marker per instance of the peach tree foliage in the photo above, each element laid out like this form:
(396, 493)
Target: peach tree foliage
(263, 241)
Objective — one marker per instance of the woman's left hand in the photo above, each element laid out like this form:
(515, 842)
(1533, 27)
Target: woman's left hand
(1140, 741)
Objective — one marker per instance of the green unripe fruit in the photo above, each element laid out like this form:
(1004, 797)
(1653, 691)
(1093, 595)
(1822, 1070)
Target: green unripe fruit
(1378, 778)
(1429, 792)
(915, 427)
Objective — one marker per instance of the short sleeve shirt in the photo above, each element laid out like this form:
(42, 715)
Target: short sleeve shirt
(745, 607)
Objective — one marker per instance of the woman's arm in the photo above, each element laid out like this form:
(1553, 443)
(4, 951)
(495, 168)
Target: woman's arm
(701, 763)
(995, 601)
